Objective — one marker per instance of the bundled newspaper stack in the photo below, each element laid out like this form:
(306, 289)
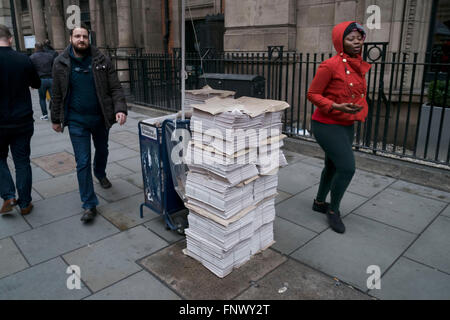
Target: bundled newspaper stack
(233, 161)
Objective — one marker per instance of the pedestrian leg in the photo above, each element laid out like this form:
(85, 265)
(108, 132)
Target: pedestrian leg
(21, 150)
(81, 142)
(7, 188)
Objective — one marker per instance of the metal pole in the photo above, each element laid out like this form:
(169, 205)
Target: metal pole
(183, 56)
(14, 24)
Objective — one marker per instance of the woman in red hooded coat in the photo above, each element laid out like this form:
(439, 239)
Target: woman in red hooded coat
(339, 93)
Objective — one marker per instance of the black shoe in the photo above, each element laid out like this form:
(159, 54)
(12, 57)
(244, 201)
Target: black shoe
(335, 222)
(89, 215)
(322, 208)
(105, 183)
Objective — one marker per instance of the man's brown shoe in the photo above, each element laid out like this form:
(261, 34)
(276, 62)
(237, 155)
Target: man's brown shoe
(27, 210)
(8, 206)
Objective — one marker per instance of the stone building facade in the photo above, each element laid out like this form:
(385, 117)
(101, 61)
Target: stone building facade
(248, 25)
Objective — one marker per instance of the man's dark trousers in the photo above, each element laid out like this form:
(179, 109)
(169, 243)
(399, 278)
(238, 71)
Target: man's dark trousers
(81, 142)
(46, 84)
(18, 139)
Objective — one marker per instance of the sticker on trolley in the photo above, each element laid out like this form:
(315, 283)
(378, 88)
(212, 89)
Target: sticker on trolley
(149, 132)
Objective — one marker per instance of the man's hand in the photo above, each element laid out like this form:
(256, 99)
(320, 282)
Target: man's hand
(121, 118)
(57, 128)
(347, 108)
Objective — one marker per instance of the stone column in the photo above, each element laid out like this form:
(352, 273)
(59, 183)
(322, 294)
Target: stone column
(18, 15)
(175, 19)
(98, 22)
(37, 11)
(124, 24)
(58, 25)
(126, 40)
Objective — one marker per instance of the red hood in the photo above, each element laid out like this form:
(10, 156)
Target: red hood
(338, 35)
(338, 41)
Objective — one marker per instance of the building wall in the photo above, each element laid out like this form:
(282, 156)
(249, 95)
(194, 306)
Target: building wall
(253, 25)
(306, 25)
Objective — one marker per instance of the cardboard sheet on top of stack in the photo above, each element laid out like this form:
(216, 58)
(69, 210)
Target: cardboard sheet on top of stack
(200, 96)
(233, 161)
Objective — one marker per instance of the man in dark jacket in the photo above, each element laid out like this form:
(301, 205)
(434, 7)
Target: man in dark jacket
(48, 48)
(17, 74)
(43, 62)
(88, 98)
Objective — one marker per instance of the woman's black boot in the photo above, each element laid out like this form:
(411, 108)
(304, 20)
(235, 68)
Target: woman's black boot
(334, 219)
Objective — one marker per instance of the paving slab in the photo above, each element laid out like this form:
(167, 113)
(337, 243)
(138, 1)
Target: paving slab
(348, 256)
(57, 164)
(135, 179)
(409, 280)
(37, 173)
(113, 259)
(421, 191)
(140, 286)
(368, 184)
(298, 177)
(54, 239)
(137, 116)
(317, 162)
(35, 196)
(158, 226)
(295, 281)
(11, 260)
(193, 281)
(124, 214)
(125, 138)
(446, 212)
(57, 186)
(133, 164)
(289, 236)
(46, 281)
(56, 208)
(282, 196)
(298, 209)
(46, 140)
(432, 247)
(11, 224)
(121, 189)
(111, 145)
(136, 148)
(114, 171)
(46, 149)
(402, 210)
(121, 154)
(10, 163)
(293, 157)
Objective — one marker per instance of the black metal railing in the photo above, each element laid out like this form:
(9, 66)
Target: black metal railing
(405, 118)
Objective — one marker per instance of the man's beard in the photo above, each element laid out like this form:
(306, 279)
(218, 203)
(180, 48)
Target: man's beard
(81, 51)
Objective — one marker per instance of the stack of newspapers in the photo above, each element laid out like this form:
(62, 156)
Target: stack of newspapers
(233, 161)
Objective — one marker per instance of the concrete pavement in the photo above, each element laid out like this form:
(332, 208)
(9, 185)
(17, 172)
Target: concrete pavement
(397, 228)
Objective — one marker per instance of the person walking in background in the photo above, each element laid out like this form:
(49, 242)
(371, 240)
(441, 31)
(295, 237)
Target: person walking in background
(88, 98)
(43, 62)
(48, 48)
(17, 74)
(339, 92)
